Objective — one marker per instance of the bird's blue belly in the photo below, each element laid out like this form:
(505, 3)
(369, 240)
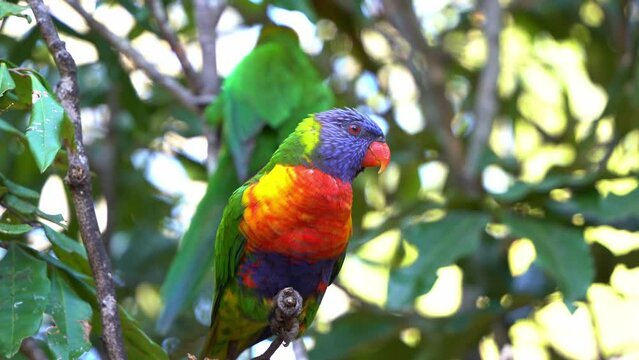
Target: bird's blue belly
(268, 273)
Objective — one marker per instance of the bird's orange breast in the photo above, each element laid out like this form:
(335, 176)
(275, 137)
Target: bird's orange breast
(297, 211)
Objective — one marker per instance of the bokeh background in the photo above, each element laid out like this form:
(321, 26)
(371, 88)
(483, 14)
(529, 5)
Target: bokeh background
(505, 226)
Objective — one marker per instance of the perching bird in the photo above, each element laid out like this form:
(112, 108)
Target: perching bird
(289, 226)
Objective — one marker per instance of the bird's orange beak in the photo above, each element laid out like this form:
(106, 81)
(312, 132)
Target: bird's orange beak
(378, 154)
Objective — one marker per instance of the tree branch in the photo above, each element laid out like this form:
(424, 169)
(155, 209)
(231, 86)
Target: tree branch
(426, 65)
(158, 13)
(207, 15)
(284, 323)
(79, 181)
(186, 97)
(486, 103)
(31, 350)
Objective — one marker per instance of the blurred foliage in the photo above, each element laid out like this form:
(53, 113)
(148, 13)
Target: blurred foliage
(544, 237)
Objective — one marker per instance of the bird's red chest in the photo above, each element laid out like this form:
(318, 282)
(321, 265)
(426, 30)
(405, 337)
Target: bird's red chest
(297, 211)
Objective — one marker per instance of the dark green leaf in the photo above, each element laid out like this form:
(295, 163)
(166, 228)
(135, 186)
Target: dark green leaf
(68, 338)
(14, 229)
(68, 250)
(19, 205)
(617, 210)
(5, 126)
(7, 9)
(23, 290)
(56, 219)
(43, 133)
(355, 333)
(520, 190)
(561, 251)
(20, 97)
(195, 257)
(138, 344)
(439, 243)
(19, 190)
(6, 82)
(275, 85)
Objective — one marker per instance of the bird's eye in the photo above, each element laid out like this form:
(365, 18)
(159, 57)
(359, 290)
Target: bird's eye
(354, 129)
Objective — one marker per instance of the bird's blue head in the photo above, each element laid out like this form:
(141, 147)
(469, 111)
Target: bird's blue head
(349, 141)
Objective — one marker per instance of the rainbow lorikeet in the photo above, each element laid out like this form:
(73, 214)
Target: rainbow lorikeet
(289, 226)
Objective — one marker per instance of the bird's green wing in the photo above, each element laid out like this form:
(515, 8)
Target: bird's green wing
(337, 267)
(229, 244)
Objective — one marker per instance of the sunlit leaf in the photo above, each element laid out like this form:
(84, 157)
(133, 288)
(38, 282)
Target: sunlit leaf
(440, 243)
(43, 133)
(7, 9)
(562, 252)
(68, 337)
(24, 287)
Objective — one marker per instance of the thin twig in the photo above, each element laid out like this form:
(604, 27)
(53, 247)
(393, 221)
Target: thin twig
(486, 103)
(79, 181)
(158, 13)
(275, 344)
(284, 323)
(186, 97)
(300, 350)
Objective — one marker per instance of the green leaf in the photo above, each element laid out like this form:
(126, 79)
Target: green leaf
(19, 190)
(439, 243)
(521, 190)
(43, 133)
(19, 205)
(68, 250)
(355, 333)
(14, 229)
(615, 210)
(20, 97)
(5, 126)
(56, 219)
(7, 9)
(138, 345)
(23, 290)
(6, 81)
(561, 251)
(195, 257)
(69, 337)
(275, 85)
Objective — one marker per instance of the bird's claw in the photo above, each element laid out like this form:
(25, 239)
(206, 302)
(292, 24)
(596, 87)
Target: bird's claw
(284, 322)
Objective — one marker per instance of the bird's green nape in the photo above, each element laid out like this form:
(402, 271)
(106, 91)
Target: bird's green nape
(308, 132)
